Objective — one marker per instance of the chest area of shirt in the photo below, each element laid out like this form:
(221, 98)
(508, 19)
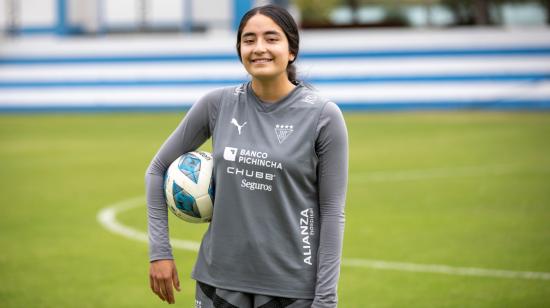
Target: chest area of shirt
(269, 142)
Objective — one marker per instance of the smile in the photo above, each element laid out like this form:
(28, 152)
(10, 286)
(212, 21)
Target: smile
(263, 60)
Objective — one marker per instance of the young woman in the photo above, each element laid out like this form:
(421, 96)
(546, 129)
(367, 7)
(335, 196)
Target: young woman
(281, 161)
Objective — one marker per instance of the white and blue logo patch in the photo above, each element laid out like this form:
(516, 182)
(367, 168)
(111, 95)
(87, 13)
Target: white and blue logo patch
(191, 167)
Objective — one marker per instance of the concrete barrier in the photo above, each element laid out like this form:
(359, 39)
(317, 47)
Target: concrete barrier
(359, 70)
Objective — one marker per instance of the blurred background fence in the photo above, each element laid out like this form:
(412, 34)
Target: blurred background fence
(60, 55)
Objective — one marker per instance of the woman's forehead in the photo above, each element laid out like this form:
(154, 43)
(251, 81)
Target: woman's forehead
(260, 24)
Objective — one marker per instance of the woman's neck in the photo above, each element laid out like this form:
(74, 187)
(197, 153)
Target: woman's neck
(270, 91)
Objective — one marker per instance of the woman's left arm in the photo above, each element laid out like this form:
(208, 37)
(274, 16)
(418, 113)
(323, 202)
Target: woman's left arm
(332, 149)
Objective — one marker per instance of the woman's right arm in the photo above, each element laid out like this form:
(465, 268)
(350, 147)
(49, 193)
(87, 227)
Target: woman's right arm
(195, 128)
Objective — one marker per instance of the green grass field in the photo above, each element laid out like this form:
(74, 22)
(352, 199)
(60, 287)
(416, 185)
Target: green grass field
(463, 189)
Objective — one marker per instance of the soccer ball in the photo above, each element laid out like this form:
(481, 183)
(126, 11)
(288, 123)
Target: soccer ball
(189, 187)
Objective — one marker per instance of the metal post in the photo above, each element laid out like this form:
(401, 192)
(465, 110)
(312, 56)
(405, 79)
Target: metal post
(142, 11)
(13, 11)
(281, 3)
(62, 26)
(100, 17)
(240, 7)
(428, 5)
(187, 15)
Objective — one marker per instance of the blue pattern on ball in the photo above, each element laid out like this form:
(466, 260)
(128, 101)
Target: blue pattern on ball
(190, 166)
(184, 201)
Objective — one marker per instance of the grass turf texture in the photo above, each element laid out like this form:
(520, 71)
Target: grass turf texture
(468, 189)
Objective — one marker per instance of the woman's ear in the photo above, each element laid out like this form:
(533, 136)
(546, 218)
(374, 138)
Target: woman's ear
(291, 57)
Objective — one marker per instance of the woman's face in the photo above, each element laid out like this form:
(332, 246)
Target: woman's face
(264, 48)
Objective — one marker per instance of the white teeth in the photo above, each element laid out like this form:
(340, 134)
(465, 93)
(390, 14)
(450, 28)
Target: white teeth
(261, 60)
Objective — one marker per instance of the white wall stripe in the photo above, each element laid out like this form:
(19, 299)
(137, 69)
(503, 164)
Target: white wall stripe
(311, 40)
(306, 69)
(372, 94)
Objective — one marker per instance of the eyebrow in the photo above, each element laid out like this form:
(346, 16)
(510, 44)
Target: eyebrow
(271, 32)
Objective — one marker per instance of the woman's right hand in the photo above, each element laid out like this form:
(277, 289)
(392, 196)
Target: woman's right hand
(162, 276)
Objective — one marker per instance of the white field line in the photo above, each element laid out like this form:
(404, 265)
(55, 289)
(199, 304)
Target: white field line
(444, 269)
(107, 218)
(465, 171)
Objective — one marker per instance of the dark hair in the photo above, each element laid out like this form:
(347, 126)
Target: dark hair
(284, 20)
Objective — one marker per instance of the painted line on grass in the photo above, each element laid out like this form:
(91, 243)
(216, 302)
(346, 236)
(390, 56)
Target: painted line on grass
(436, 173)
(444, 269)
(107, 218)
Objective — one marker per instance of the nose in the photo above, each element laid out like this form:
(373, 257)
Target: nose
(259, 48)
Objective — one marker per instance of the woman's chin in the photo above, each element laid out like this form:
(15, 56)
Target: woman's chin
(263, 74)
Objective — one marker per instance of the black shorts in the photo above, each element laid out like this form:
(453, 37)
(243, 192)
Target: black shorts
(207, 296)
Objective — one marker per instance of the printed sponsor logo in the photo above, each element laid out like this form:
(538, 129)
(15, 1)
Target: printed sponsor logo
(307, 230)
(250, 175)
(255, 186)
(230, 153)
(283, 131)
(204, 155)
(239, 90)
(250, 157)
(239, 126)
(258, 158)
(310, 99)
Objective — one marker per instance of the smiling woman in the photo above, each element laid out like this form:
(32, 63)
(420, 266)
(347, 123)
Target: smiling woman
(275, 239)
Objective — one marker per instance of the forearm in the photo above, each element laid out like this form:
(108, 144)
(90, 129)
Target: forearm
(332, 149)
(157, 218)
(329, 259)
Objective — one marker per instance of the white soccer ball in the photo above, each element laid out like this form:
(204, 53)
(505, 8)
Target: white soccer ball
(189, 187)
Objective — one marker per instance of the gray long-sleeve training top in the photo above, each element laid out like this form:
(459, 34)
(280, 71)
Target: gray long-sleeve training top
(280, 172)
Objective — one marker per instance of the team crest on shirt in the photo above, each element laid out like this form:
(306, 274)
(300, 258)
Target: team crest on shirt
(283, 131)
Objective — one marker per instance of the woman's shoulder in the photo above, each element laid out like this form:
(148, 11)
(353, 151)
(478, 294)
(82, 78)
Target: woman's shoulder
(221, 91)
(217, 95)
(313, 97)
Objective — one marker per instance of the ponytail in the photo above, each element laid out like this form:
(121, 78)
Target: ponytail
(291, 73)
